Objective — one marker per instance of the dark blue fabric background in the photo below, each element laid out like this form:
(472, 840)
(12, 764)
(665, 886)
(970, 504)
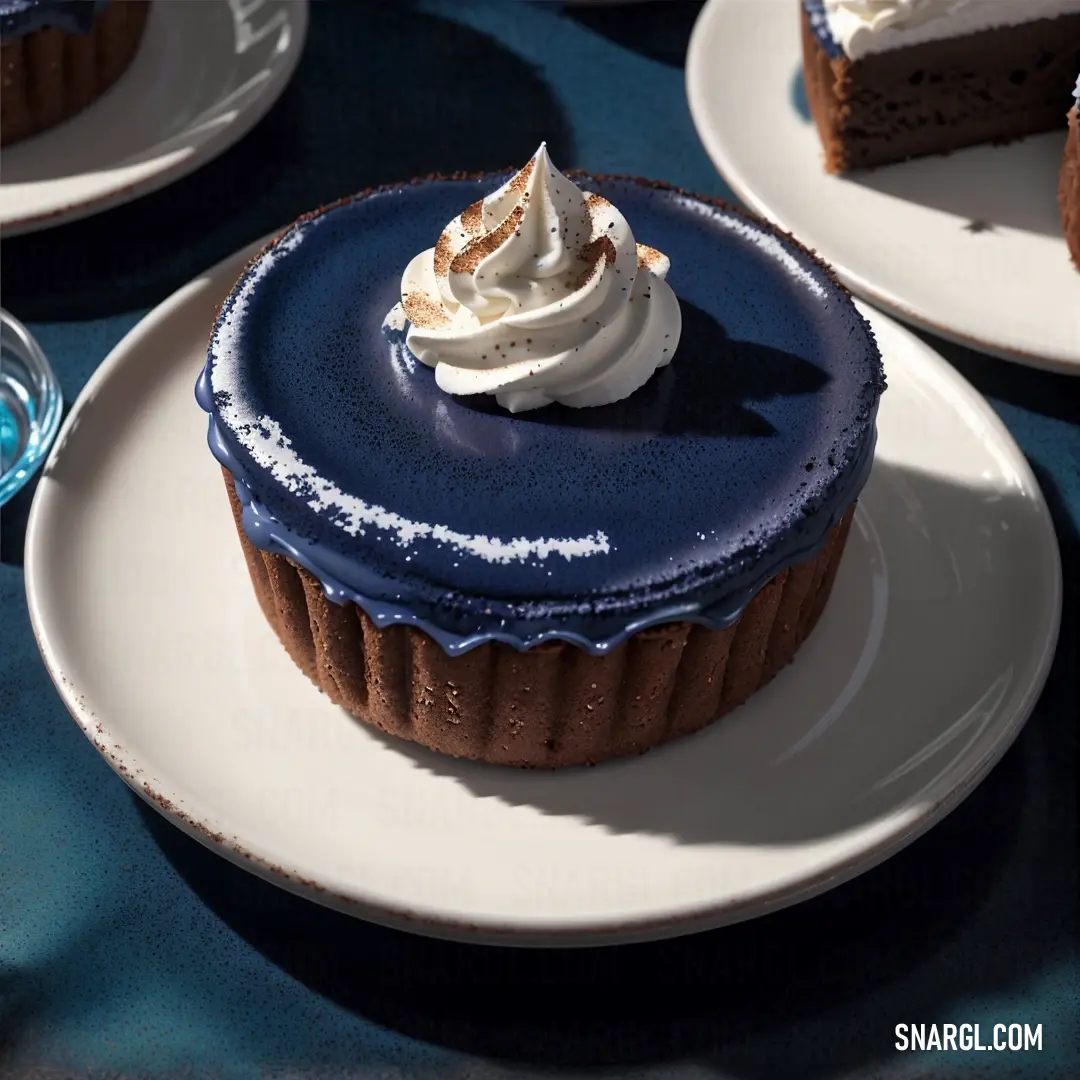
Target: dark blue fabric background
(127, 950)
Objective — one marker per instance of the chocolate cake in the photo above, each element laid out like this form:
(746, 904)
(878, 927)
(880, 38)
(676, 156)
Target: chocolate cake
(594, 519)
(888, 80)
(1069, 185)
(58, 56)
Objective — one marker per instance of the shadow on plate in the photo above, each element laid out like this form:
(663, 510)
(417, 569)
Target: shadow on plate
(340, 126)
(657, 29)
(754, 777)
(986, 187)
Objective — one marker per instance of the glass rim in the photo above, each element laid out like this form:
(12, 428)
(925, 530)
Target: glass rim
(48, 401)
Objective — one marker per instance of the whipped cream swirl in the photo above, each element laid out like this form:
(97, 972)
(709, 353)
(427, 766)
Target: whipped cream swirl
(539, 294)
(862, 27)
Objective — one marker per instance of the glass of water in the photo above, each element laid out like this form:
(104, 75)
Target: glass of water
(30, 406)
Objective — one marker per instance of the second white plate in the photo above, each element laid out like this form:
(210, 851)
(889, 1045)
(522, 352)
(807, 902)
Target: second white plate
(967, 246)
(927, 661)
(205, 73)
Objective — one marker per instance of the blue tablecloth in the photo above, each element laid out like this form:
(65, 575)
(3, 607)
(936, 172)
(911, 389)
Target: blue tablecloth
(127, 950)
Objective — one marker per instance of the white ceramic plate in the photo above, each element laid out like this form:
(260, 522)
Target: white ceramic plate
(967, 246)
(924, 667)
(205, 73)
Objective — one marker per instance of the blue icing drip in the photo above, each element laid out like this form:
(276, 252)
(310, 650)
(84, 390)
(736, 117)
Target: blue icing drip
(769, 378)
(20, 17)
(603, 635)
(819, 23)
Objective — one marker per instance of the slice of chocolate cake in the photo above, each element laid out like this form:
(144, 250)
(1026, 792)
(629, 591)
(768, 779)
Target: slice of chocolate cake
(889, 80)
(1069, 186)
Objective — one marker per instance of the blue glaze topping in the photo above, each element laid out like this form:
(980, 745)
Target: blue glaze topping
(450, 514)
(20, 17)
(819, 23)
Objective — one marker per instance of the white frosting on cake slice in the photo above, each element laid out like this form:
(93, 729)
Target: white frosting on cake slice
(865, 27)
